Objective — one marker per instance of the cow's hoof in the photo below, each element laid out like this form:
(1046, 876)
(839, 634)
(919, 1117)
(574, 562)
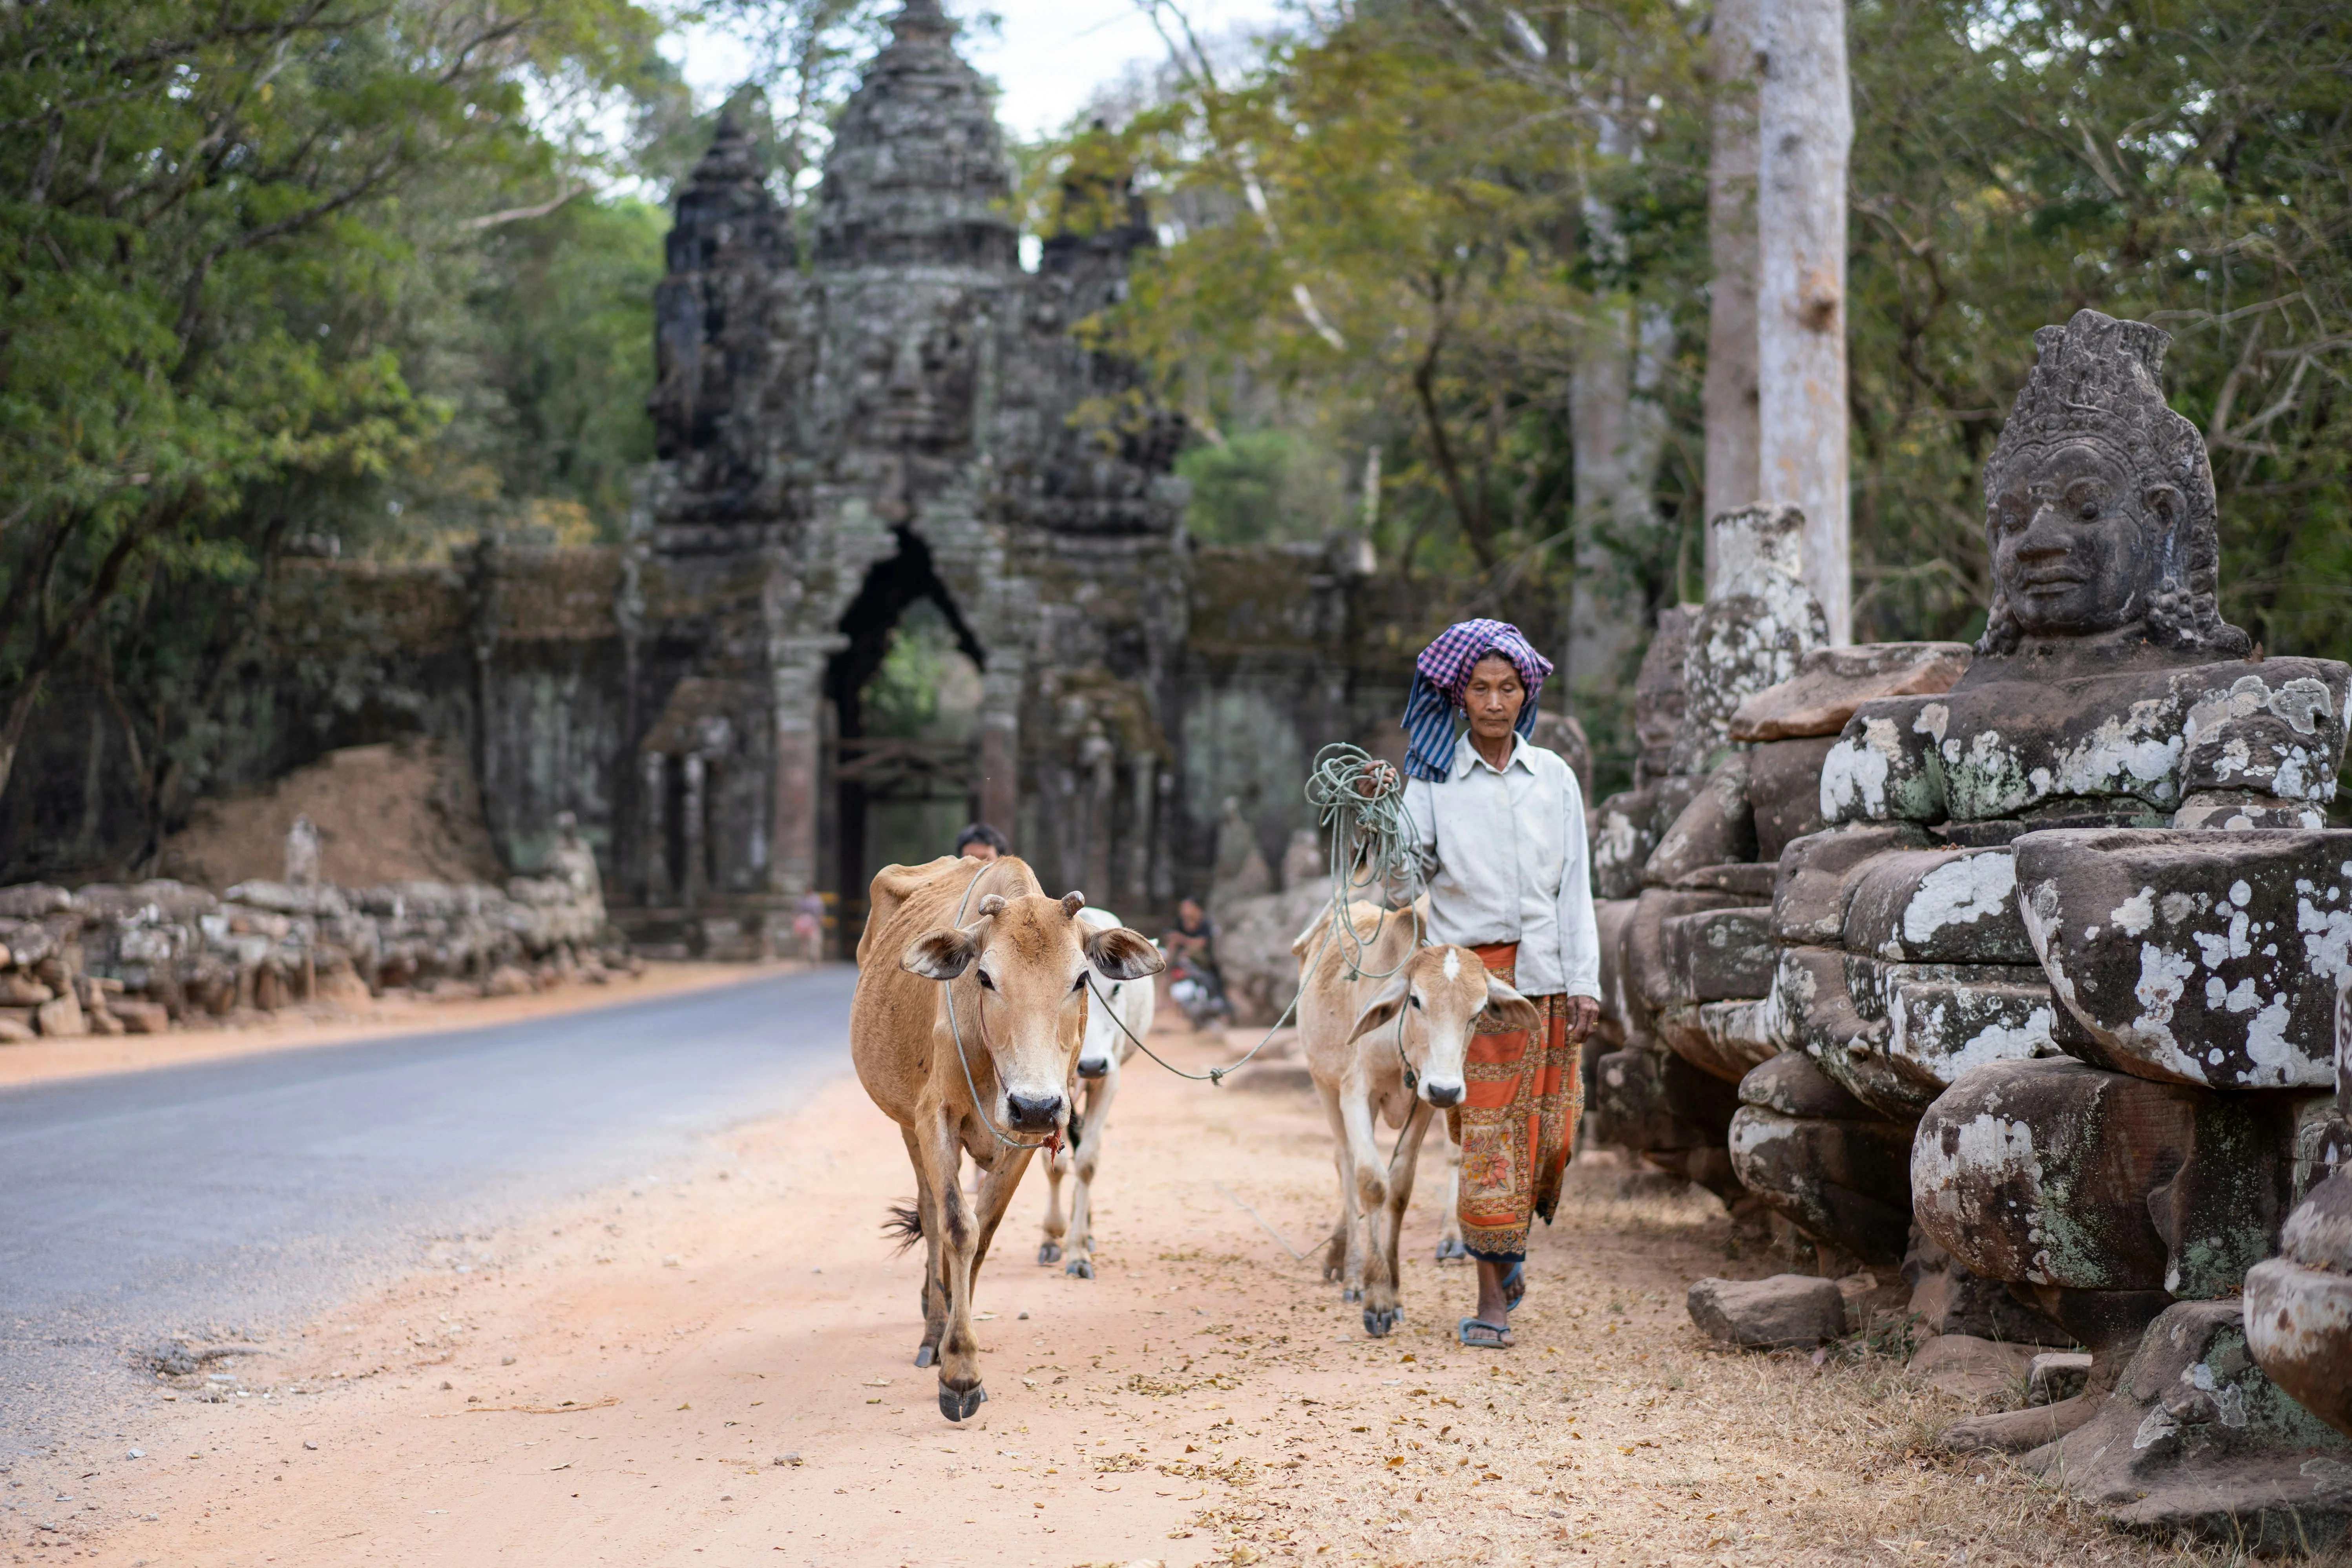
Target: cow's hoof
(1351, 1295)
(926, 1355)
(1049, 1253)
(1379, 1320)
(1330, 1275)
(960, 1406)
(1451, 1250)
(1080, 1268)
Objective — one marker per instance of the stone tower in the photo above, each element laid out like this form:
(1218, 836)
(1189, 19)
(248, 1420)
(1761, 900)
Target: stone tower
(909, 419)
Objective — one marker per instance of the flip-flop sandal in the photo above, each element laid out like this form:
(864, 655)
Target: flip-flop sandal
(1502, 1331)
(1515, 1286)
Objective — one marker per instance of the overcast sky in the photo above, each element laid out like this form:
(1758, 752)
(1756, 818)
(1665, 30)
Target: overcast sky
(1048, 56)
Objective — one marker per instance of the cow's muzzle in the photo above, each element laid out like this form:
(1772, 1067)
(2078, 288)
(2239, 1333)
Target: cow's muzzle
(1034, 1112)
(1443, 1095)
(1093, 1067)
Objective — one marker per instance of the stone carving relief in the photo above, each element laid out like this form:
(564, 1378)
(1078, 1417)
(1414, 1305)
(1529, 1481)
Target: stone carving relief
(2074, 935)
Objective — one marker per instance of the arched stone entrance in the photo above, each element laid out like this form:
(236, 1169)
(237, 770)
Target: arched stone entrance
(905, 699)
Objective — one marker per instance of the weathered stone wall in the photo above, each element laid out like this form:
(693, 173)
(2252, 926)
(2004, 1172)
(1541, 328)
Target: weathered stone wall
(352, 654)
(145, 957)
(529, 658)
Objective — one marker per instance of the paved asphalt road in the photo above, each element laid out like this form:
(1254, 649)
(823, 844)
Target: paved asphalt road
(238, 1196)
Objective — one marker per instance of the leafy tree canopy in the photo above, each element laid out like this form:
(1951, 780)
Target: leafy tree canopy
(1390, 232)
(229, 235)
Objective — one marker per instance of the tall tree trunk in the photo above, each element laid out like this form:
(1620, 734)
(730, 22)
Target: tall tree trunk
(1616, 432)
(16, 720)
(1805, 120)
(1600, 628)
(1728, 398)
(52, 635)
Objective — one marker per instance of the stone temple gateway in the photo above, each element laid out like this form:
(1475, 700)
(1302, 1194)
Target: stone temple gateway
(900, 430)
(905, 424)
(905, 418)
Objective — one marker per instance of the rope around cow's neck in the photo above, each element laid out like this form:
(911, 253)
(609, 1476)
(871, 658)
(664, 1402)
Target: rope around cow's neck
(1371, 832)
(1051, 1139)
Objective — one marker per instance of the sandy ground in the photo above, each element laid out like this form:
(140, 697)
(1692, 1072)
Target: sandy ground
(715, 1363)
(397, 1014)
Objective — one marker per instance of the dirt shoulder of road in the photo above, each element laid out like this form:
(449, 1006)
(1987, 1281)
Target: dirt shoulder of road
(712, 1365)
(299, 1029)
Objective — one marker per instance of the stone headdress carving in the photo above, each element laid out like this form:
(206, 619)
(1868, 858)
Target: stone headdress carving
(2095, 381)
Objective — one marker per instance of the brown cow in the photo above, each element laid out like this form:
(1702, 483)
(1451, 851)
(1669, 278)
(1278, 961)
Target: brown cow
(966, 958)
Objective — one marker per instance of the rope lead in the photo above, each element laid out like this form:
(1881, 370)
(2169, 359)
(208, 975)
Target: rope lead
(1372, 847)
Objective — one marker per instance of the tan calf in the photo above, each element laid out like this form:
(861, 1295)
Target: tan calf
(970, 949)
(1386, 1042)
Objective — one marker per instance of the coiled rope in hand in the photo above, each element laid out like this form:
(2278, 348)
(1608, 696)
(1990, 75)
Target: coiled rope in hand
(1372, 848)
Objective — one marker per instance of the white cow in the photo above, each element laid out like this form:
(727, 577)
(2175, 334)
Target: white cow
(1104, 1051)
(1386, 1040)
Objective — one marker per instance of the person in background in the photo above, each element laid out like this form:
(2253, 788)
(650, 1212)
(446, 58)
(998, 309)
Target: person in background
(808, 926)
(1501, 827)
(1192, 941)
(1192, 936)
(982, 842)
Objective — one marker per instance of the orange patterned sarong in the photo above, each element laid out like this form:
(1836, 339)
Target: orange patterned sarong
(1516, 1122)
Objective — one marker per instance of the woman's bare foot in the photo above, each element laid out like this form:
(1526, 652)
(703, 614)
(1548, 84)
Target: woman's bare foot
(1493, 1295)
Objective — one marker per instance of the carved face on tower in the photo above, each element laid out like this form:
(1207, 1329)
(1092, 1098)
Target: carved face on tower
(2099, 506)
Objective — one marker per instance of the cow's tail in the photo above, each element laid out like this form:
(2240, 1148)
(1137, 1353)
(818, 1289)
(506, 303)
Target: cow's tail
(905, 1224)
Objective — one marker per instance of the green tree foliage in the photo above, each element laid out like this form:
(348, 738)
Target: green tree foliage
(1269, 483)
(2186, 164)
(1387, 225)
(545, 355)
(226, 230)
(1393, 222)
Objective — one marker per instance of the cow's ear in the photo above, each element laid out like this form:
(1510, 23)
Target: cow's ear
(1072, 902)
(940, 954)
(1118, 953)
(1508, 1008)
(991, 904)
(1385, 1005)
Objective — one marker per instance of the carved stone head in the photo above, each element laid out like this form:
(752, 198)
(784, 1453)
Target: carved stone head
(2099, 504)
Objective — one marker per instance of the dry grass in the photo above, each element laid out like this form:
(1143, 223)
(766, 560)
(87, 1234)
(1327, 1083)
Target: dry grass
(1617, 1434)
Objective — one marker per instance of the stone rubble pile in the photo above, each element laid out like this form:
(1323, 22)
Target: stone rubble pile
(145, 957)
(2048, 1004)
(1683, 863)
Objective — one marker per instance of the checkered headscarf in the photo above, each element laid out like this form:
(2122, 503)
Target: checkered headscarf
(1440, 674)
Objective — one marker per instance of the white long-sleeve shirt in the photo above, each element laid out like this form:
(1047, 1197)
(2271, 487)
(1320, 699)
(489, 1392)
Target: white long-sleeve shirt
(1505, 857)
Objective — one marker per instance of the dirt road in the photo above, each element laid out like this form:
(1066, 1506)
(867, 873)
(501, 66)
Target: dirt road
(712, 1365)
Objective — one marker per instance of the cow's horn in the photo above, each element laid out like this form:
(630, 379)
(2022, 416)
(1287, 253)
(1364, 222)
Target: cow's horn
(1072, 902)
(991, 904)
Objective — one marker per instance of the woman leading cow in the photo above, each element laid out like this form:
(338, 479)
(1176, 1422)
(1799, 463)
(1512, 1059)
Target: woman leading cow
(1501, 828)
